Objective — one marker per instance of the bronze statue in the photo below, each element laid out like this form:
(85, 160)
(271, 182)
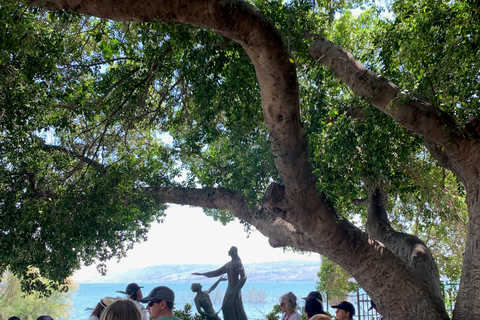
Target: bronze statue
(232, 306)
(203, 302)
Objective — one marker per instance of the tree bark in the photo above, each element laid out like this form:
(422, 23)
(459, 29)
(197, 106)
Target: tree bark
(407, 247)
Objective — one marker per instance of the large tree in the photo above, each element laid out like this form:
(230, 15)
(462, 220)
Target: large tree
(78, 165)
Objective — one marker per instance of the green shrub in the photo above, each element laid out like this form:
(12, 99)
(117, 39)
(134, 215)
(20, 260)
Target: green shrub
(275, 314)
(14, 302)
(186, 313)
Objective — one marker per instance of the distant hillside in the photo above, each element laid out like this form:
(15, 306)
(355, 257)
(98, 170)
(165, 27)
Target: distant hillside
(291, 270)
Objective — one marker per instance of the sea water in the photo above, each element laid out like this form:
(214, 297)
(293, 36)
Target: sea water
(258, 297)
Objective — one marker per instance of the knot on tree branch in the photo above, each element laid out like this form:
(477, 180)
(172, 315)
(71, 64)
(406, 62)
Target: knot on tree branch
(472, 127)
(274, 196)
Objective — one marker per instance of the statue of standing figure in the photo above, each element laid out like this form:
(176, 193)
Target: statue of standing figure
(203, 302)
(232, 306)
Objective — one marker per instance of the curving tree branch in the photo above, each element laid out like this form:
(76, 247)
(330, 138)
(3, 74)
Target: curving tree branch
(279, 232)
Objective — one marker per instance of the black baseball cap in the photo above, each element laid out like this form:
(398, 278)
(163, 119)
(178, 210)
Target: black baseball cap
(132, 287)
(315, 295)
(347, 306)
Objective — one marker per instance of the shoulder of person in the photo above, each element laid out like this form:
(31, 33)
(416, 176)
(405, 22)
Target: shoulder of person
(296, 316)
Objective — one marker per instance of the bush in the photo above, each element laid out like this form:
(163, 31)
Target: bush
(186, 313)
(275, 314)
(14, 302)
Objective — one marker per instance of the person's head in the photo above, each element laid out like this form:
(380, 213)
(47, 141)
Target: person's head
(134, 291)
(160, 302)
(101, 305)
(45, 317)
(288, 303)
(196, 287)
(314, 294)
(345, 310)
(373, 306)
(312, 307)
(122, 309)
(233, 252)
(14, 318)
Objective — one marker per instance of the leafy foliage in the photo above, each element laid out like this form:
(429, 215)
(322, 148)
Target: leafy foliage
(356, 148)
(431, 49)
(53, 192)
(186, 313)
(14, 302)
(275, 314)
(332, 278)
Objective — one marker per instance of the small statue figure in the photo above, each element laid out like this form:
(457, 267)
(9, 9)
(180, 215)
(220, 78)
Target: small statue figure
(232, 306)
(203, 302)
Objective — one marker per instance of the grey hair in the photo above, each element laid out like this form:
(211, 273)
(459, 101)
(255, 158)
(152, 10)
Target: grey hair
(290, 301)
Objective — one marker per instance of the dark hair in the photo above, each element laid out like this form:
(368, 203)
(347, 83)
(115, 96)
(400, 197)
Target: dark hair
(97, 312)
(133, 295)
(14, 318)
(313, 307)
(132, 290)
(169, 304)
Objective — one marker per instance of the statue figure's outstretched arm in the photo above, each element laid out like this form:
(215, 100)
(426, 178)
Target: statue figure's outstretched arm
(222, 278)
(214, 273)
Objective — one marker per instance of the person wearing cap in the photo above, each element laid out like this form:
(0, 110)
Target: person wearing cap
(374, 306)
(134, 292)
(97, 311)
(160, 303)
(314, 294)
(45, 317)
(313, 306)
(345, 311)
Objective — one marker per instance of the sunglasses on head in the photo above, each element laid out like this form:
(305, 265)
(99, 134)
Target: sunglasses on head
(151, 303)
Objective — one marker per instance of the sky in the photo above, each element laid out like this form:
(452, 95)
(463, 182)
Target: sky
(188, 236)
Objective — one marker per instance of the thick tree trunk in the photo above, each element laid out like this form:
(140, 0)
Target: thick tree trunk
(407, 247)
(468, 298)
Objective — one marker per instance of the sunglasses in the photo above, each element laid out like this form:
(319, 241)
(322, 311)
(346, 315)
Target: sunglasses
(151, 303)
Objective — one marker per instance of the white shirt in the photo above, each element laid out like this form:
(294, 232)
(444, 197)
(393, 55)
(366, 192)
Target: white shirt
(143, 311)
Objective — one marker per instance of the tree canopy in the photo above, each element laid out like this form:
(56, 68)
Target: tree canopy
(354, 135)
